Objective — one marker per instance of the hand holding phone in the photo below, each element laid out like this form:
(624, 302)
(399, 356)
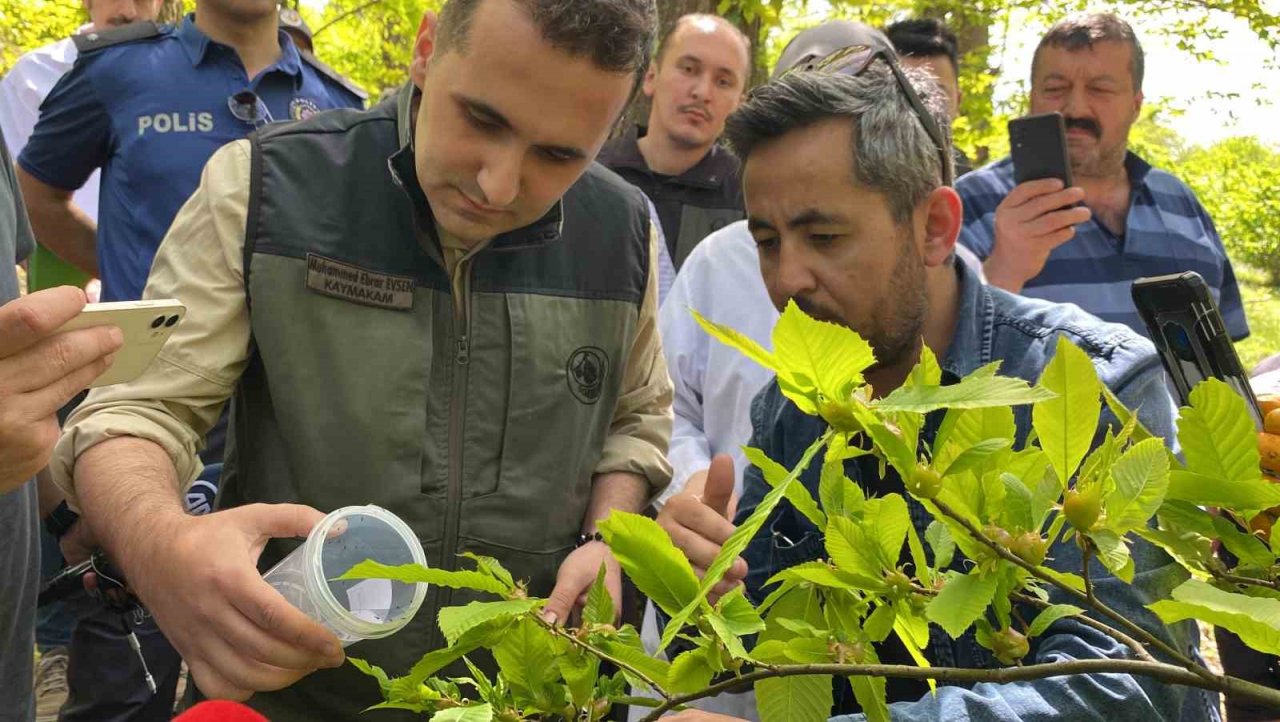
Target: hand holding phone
(146, 326)
(41, 369)
(1042, 210)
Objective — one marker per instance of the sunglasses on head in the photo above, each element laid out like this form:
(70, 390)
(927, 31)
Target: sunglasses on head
(246, 106)
(854, 60)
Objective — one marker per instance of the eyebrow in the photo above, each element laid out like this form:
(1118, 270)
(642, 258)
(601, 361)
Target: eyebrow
(715, 68)
(491, 115)
(807, 217)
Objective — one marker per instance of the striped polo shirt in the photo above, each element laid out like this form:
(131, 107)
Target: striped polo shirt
(1167, 231)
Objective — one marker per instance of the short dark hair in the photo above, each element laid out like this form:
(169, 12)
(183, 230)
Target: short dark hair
(1077, 32)
(893, 154)
(924, 38)
(617, 35)
(691, 17)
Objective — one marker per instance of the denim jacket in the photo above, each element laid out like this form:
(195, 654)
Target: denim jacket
(1021, 333)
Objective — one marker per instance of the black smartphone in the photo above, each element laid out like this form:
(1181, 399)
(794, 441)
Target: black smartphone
(1184, 323)
(1038, 146)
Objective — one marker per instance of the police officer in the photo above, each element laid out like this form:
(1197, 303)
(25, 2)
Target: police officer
(149, 104)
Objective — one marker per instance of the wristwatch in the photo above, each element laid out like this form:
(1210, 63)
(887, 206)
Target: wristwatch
(60, 520)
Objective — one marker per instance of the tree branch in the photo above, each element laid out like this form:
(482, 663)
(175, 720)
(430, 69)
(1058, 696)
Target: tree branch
(1084, 569)
(344, 16)
(601, 654)
(1249, 581)
(1035, 571)
(1168, 673)
(1088, 621)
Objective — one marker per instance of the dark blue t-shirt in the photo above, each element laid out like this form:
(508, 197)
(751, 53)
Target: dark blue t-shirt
(150, 112)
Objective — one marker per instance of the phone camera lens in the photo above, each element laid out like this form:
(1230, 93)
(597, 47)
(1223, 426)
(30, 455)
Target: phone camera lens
(158, 322)
(170, 323)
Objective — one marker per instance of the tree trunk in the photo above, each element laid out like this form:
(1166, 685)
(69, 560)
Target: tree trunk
(973, 39)
(671, 10)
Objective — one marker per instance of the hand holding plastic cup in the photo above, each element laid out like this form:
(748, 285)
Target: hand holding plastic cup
(355, 609)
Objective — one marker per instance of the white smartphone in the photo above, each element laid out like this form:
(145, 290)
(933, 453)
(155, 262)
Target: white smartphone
(146, 326)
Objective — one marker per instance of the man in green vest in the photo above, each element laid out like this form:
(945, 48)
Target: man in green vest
(440, 306)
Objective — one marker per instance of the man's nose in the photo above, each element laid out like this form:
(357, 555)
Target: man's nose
(794, 274)
(499, 179)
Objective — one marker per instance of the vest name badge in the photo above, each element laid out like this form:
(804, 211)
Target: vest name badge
(352, 283)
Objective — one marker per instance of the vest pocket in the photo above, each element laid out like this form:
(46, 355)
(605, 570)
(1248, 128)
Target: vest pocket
(562, 386)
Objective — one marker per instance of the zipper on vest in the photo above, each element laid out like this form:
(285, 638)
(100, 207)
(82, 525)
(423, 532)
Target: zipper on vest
(457, 407)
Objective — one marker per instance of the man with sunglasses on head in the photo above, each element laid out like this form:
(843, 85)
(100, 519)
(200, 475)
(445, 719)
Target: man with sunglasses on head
(1122, 220)
(846, 179)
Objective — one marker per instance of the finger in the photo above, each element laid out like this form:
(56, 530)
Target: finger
(1024, 192)
(27, 320)
(44, 403)
(700, 550)
(273, 614)
(718, 490)
(49, 360)
(240, 672)
(1059, 220)
(561, 601)
(279, 521)
(211, 683)
(737, 572)
(703, 520)
(250, 642)
(1066, 198)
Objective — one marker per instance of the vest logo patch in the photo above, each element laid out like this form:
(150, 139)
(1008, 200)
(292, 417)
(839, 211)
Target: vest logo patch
(352, 283)
(586, 371)
(302, 108)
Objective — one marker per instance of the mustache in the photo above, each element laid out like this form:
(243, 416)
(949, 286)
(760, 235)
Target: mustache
(1088, 125)
(815, 310)
(695, 108)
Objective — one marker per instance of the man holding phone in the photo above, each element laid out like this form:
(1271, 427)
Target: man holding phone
(1121, 220)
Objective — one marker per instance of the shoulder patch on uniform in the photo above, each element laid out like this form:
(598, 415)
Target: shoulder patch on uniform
(99, 39)
(330, 73)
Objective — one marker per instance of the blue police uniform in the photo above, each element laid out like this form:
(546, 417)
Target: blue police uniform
(149, 104)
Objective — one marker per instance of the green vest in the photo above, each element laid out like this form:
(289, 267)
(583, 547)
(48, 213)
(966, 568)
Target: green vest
(478, 419)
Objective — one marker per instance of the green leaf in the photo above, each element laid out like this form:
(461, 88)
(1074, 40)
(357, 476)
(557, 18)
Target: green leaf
(691, 671)
(456, 621)
(739, 616)
(794, 699)
(384, 683)
(830, 354)
(485, 635)
(919, 560)
(1049, 615)
(839, 495)
(1066, 424)
(418, 574)
(774, 473)
(599, 609)
(888, 517)
(492, 567)
(735, 544)
(1256, 620)
(579, 671)
(872, 697)
(1217, 434)
(852, 550)
(645, 552)
(1113, 552)
(1017, 504)
(1210, 491)
(659, 670)
(940, 541)
(962, 601)
(1141, 477)
(1125, 416)
(527, 658)
(484, 687)
(880, 623)
(808, 650)
(964, 428)
(972, 392)
(975, 457)
(726, 635)
(473, 713)
(736, 340)
(819, 574)
(927, 371)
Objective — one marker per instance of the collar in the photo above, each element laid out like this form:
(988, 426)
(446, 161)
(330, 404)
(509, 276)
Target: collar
(197, 44)
(971, 342)
(1136, 168)
(717, 166)
(404, 172)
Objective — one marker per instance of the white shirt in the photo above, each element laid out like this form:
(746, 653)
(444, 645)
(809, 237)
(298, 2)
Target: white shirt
(714, 384)
(21, 93)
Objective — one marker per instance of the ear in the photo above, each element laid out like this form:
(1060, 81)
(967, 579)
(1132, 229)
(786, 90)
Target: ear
(942, 214)
(423, 48)
(647, 87)
(1137, 104)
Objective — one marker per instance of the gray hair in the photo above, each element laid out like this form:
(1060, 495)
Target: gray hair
(893, 155)
(1078, 32)
(616, 35)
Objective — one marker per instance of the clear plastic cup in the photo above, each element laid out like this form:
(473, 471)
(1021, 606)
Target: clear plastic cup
(361, 608)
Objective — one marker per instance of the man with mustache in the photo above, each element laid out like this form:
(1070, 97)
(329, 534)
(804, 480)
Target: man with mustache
(696, 80)
(848, 203)
(1123, 219)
